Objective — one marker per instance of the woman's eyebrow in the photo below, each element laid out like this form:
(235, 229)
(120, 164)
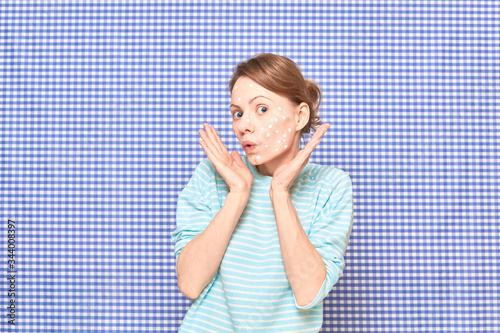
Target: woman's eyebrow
(250, 102)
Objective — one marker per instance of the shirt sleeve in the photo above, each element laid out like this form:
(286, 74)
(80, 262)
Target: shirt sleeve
(193, 213)
(330, 233)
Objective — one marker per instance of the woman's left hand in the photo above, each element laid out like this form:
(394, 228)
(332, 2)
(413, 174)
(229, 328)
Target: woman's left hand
(284, 176)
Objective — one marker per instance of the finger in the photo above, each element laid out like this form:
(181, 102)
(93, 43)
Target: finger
(213, 138)
(207, 137)
(316, 138)
(222, 147)
(207, 145)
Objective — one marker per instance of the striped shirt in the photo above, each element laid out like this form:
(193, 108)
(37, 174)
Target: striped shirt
(250, 291)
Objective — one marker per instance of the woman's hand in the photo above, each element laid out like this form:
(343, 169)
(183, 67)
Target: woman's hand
(230, 166)
(284, 176)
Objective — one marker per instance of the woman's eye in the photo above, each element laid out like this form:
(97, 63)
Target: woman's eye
(262, 109)
(237, 114)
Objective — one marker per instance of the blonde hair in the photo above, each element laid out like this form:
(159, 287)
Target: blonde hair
(282, 76)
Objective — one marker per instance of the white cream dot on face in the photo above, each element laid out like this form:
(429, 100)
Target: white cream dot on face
(279, 141)
(239, 99)
(235, 87)
(289, 130)
(276, 149)
(276, 120)
(262, 128)
(268, 134)
(248, 120)
(266, 146)
(284, 135)
(251, 84)
(258, 157)
(284, 117)
(270, 126)
(279, 108)
(286, 146)
(277, 131)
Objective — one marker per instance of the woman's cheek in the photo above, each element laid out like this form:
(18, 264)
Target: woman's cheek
(278, 135)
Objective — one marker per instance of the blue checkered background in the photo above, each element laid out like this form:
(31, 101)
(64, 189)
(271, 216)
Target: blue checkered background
(100, 107)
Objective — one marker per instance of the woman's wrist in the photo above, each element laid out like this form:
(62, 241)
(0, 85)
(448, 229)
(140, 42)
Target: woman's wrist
(240, 192)
(278, 193)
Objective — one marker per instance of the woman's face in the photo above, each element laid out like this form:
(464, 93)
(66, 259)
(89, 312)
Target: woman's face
(263, 121)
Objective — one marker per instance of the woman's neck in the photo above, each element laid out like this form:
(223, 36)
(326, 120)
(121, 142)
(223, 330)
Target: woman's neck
(268, 168)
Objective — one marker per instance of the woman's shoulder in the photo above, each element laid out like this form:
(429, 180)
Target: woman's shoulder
(203, 173)
(329, 174)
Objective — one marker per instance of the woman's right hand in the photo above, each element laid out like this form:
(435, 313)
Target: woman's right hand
(230, 166)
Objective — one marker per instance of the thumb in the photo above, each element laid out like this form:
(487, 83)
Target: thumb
(237, 159)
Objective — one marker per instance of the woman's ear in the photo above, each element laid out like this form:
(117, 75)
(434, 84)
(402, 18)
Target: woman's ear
(302, 114)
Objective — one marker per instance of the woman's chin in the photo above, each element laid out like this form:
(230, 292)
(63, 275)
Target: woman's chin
(254, 159)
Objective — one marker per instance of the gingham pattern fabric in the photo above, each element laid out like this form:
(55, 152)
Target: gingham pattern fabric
(100, 107)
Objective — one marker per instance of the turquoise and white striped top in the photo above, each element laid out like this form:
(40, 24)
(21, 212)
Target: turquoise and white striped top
(250, 291)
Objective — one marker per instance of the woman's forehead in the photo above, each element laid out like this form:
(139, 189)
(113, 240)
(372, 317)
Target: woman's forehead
(245, 90)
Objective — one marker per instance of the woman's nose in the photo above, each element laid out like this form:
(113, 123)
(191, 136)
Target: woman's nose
(246, 124)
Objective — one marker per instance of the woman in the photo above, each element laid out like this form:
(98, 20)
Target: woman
(260, 240)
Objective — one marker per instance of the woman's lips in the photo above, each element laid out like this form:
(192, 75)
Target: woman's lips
(248, 145)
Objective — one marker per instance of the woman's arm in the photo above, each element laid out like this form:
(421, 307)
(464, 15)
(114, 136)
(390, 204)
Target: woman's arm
(304, 266)
(200, 259)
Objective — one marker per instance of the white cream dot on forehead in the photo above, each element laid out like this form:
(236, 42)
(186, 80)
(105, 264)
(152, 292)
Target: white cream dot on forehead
(284, 117)
(279, 141)
(279, 108)
(266, 146)
(235, 87)
(289, 130)
(270, 126)
(251, 84)
(276, 120)
(277, 131)
(284, 135)
(268, 134)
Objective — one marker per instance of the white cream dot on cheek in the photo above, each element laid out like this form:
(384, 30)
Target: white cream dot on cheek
(284, 135)
(258, 157)
(268, 134)
(279, 108)
(276, 149)
(248, 120)
(266, 146)
(279, 141)
(284, 117)
(270, 126)
(286, 146)
(289, 130)
(262, 128)
(277, 131)
(239, 99)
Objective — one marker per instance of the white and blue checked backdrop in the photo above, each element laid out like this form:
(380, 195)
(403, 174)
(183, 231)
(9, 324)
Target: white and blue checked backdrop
(100, 107)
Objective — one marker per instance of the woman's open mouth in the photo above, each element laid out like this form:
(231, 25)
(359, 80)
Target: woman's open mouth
(248, 145)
